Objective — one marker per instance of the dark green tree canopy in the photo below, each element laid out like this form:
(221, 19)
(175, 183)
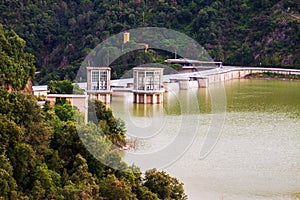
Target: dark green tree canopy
(61, 33)
(41, 154)
(165, 186)
(16, 66)
(60, 87)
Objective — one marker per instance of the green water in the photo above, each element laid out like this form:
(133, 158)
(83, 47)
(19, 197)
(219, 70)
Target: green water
(256, 146)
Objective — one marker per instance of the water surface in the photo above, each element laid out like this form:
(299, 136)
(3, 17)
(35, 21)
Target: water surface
(257, 154)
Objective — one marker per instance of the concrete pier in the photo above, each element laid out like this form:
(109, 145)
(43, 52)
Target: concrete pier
(183, 84)
(166, 86)
(104, 97)
(203, 82)
(147, 98)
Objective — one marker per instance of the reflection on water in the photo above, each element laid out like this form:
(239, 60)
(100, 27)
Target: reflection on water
(257, 155)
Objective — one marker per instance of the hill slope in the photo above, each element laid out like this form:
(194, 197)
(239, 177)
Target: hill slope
(238, 32)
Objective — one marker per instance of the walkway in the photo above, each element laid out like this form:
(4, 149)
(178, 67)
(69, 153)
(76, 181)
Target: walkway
(213, 75)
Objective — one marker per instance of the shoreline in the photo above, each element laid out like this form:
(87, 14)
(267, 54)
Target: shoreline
(274, 79)
(273, 76)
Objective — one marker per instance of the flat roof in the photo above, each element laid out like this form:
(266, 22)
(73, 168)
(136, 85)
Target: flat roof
(67, 95)
(198, 67)
(40, 88)
(99, 68)
(186, 60)
(148, 68)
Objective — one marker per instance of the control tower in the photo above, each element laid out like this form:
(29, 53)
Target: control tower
(148, 85)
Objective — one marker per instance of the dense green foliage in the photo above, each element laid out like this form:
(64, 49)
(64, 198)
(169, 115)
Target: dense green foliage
(43, 156)
(165, 186)
(238, 32)
(113, 127)
(64, 87)
(16, 65)
(60, 87)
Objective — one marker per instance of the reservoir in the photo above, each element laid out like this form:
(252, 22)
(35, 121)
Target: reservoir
(249, 131)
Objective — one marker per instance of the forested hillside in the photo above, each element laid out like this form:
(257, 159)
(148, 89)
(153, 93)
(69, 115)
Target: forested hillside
(238, 32)
(42, 151)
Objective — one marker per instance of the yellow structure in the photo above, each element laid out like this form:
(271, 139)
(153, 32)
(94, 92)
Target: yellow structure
(126, 37)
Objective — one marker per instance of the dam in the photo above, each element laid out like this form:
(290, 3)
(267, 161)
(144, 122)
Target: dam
(204, 78)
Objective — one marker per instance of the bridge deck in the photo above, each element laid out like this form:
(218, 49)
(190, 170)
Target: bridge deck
(122, 85)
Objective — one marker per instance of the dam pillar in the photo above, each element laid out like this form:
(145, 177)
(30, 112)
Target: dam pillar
(203, 82)
(183, 84)
(166, 86)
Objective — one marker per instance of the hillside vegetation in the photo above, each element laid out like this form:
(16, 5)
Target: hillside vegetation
(42, 151)
(239, 32)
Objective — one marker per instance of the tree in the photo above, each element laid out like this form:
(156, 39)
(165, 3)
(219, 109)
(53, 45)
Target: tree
(46, 180)
(60, 87)
(10, 135)
(64, 111)
(101, 148)
(165, 186)
(16, 66)
(38, 136)
(8, 184)
(24, 162)
(20, 108)
(77, 89)
(112, 127)
(114, 189)
(145, 194)
(82, 184)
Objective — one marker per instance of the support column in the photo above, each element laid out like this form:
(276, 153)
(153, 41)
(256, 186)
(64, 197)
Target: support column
(154, 99)
(183, 84)
(86, 107)
(108, 98)
(161, 97)
(166, 86)
(203, 82)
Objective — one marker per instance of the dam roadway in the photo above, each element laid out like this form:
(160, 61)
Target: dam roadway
(205, 77)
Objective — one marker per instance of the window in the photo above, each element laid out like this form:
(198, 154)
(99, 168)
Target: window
(147, 80)
(135, 75)
(156, 82)
(103, 80)
(95, 80)
(99, 80)
(141, 80)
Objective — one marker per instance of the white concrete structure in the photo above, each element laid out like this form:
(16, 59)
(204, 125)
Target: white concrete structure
(148, 85)
(189, 65)
(40, 90)
(98, 83)
(77, 100)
